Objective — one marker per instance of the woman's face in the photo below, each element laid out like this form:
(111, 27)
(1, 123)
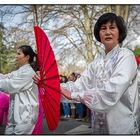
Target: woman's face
(109, 35)
(21, 59)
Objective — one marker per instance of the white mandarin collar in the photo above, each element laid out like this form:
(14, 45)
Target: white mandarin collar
(113, 51)
(24, 66)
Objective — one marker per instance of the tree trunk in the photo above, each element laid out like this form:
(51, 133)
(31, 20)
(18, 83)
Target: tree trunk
(123, 11)
(89, 34)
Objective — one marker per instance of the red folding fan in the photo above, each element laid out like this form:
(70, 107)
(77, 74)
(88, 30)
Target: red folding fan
(49, 85)
(137, 60)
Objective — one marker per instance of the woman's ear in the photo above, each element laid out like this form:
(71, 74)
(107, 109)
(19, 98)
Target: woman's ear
(28, 57)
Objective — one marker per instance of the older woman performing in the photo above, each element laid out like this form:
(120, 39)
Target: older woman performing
(109, 84)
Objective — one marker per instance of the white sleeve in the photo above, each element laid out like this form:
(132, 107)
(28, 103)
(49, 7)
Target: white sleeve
(84, 82)
(17, 83)
(108, 95)
(2, 76)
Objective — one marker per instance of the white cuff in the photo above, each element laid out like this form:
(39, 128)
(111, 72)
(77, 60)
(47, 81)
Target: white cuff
(64, 85)
(77, 95)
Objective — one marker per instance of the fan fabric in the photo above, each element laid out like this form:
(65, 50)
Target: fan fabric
(49, 84)
(137, 60)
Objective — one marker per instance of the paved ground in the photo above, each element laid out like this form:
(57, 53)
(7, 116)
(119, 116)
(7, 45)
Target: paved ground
(65, 127)
(2, 130)
(68, 127)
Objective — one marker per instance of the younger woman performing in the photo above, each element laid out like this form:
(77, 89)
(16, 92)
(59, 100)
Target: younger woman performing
(24, 104)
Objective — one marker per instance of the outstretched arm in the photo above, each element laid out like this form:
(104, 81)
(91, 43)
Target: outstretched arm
(103, 98)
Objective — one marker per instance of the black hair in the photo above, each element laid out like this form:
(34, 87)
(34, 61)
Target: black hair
(66, 79)
(73, 73)
(63, 80)
(112, 18)
(33, 60)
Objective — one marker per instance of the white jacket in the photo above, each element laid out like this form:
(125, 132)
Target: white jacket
(110, 85)
(23, 108)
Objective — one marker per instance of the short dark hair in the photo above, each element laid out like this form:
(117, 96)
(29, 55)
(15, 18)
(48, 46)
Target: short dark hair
(112, 18)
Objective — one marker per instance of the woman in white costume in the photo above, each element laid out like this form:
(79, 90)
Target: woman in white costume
(23, 108)
(109, 85)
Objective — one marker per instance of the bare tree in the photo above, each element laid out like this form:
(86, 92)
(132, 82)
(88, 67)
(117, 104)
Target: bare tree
(69, 27)
(120, 10)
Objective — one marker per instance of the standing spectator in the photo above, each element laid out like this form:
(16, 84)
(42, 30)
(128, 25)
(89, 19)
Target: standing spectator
(72, 77)
(65, 104)
(80, 107)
